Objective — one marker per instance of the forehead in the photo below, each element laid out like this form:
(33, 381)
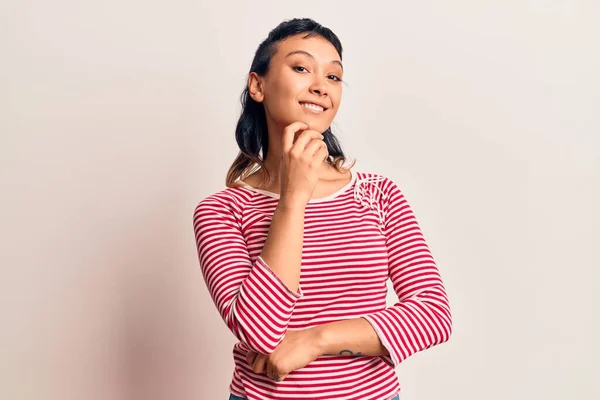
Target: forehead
(321, 49)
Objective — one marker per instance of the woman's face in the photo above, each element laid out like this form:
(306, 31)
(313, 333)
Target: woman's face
(303, 83)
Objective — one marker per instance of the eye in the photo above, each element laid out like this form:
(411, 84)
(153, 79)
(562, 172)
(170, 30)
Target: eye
(335, 78)
(299, 67)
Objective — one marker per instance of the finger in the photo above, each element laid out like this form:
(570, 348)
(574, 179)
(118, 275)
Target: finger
(258, 366)
(273, 374)
(320, 156)
(269, 370)
(289, 133)
(250, 356)
(277, 377)
(315, 145)
(305, 137)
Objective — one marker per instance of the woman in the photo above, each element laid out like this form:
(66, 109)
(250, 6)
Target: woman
(296, 255)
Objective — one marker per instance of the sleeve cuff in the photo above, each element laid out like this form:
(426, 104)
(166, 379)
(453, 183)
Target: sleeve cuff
(264, 307)
(278, 282)
(376, 323)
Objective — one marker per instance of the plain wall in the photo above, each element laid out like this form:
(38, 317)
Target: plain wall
(117, 118)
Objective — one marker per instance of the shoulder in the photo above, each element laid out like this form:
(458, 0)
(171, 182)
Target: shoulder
(387, 185)
(230, 200)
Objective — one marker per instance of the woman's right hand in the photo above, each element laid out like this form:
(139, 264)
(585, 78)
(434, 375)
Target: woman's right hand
(301, 162)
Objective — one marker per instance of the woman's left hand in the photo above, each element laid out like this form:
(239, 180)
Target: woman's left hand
(296, 350)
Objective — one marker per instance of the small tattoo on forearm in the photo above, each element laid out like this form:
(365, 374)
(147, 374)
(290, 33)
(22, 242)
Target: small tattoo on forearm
(349, 353)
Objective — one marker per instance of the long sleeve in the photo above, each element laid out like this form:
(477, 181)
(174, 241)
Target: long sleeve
(254, 303)
(421, 318)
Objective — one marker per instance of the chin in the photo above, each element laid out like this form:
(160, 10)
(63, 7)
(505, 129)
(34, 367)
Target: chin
(316, 125)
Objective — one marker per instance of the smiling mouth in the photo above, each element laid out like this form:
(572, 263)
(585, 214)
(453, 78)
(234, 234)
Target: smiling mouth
(313, 107)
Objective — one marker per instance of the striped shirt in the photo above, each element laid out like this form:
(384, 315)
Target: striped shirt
(354, 240)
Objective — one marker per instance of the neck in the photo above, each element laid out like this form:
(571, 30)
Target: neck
(274, 155)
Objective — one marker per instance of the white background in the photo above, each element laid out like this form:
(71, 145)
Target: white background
(117, 118)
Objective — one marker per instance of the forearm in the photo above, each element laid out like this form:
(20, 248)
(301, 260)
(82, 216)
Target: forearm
(283, 247)
(352, 337)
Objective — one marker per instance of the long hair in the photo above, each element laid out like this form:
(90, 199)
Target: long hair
(251, 132)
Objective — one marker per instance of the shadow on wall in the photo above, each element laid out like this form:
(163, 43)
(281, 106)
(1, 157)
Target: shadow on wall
(175, 345)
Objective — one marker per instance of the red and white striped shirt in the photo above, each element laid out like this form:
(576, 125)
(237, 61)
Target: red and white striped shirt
(354, 240)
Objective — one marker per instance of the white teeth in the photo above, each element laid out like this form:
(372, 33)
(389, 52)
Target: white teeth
(313, 106)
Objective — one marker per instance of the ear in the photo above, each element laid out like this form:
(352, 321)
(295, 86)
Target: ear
(256, 87)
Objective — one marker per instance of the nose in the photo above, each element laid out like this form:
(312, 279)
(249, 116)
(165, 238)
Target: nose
(318, 87)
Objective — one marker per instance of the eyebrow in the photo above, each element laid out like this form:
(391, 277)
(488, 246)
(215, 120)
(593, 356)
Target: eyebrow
(311, 56)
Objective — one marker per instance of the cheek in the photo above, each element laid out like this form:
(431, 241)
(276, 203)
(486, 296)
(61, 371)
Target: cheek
(279, 94)
(290, 90)
(336, 97)
(282, 102)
